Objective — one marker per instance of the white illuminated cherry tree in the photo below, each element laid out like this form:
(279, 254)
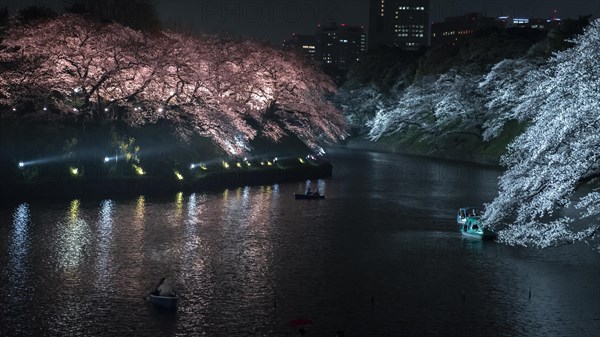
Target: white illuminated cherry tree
(226, 89)
(360, 104)
(434, 107)
(549, 195)
(413, 109)
(504, 87)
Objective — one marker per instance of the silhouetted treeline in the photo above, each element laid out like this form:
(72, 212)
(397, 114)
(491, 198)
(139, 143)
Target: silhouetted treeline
(136, 14)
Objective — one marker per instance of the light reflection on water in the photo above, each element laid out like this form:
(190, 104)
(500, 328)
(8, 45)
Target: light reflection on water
(246, 261)
(19, 243)
(104, 238)
(74, 237)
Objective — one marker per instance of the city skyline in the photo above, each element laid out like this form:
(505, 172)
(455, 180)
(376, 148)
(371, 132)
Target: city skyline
(276, 20)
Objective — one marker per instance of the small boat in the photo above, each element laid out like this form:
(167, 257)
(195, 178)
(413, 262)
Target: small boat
(308, 196)
(464, 213)
(163, 302)
(472, 228)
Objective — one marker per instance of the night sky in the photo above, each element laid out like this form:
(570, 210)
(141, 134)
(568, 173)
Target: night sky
(276, 20)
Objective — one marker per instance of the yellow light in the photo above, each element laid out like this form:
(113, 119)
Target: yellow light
(140, 171)
(74, 170)
(238, 165)
(203, 167)
(301, 160)
(178, 175)
(269, 163)
(225, 165)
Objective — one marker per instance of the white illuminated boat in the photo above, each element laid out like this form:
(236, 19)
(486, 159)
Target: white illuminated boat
(473, 228)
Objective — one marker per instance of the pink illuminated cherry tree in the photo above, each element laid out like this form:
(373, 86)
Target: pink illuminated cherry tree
(226, 89)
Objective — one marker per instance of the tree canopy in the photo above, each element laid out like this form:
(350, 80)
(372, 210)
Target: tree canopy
(543, 200)
(226, 89)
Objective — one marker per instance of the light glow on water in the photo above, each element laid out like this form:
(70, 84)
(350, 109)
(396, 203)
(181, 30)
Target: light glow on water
(105, 239)
(191, 210)
(75, 237)
(19, 239)
(177, 214)
(140, 208)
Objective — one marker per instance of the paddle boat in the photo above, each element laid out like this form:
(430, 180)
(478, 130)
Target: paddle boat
(464, 213)
(472, 228)
(168, 303)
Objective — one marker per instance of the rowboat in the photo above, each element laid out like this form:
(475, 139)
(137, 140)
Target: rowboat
(308, 196)
(164, 302)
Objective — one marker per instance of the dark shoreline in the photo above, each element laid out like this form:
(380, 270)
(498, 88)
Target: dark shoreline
(471, 158)
(155, 186)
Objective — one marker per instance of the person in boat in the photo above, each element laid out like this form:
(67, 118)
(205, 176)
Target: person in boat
(160, 282)
(316, 192)
(308, 191)
(165, 289)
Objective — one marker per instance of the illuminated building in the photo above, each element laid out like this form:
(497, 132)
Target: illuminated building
(340, 45)
(402, 24)
(533, 23)
(455, 28)
(306, 44)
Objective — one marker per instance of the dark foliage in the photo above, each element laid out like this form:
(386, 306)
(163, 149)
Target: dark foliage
(136, 14)
(3, 16)
(558, 38)
(384, 67)
(35, 14)
(478, 52)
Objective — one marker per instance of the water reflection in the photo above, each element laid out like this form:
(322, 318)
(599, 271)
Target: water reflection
(140, 208)
(131, 248)
(74, 242)
(19, 245)
(246, 252)
(177, 215)
(138, 224)
(192, 217)
(74, 238)
(472, 246)
(192, 240)
(105, 229)
(19, 248)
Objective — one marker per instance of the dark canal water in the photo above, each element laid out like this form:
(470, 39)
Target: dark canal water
(381, 256)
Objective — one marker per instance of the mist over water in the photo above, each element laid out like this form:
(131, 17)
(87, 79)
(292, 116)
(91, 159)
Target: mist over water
(380, 256)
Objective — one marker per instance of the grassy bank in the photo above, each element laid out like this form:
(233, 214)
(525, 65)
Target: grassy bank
(466, 148)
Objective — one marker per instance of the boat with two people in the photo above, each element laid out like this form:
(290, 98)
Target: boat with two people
(464, 213)
(309, 194)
